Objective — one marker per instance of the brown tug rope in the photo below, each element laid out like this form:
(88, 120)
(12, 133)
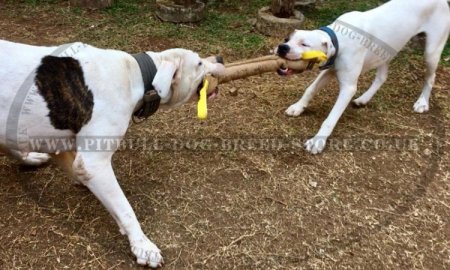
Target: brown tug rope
(251, 67)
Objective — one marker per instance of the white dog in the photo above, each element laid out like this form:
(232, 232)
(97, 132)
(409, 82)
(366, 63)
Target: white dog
(76, 91)
(360, 41)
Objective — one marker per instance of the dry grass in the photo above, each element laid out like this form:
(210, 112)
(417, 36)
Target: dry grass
(281, 209)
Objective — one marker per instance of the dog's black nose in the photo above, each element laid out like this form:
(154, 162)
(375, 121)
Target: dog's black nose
(219, 60)
(283, 49)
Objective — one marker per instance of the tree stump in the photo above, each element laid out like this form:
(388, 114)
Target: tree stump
(271, 25)
(92, 3)
(282, 8)
(180, 11)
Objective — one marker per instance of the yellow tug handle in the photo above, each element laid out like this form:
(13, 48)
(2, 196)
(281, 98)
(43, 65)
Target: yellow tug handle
(202, 106)
(310, 55)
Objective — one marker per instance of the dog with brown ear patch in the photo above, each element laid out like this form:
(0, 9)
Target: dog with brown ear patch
(57, 101)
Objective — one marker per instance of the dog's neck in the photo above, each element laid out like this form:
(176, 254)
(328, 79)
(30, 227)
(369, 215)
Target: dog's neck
(150, 101)
(332, 49)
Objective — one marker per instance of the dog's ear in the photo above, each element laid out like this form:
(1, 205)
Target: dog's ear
(328, 48)
(164, 77)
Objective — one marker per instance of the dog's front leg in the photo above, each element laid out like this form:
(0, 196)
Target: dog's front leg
(348, 86)
(321, 81)
(94, 170)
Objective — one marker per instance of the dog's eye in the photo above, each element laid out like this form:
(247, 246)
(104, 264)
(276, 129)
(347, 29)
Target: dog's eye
(200, 63)
(305, 45)
(286, 40)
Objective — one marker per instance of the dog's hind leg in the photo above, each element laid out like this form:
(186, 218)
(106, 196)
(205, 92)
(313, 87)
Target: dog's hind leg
(434, 46)
(31, 158)
(321, 81)
(380, 78)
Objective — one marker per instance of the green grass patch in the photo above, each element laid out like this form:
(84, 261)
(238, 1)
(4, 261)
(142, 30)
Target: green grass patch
(230, 29)
(445, 60)
(228, 25)
(331, 10)
(124, 7)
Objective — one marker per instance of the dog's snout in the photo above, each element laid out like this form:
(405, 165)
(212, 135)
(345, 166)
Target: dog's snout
(283, 49)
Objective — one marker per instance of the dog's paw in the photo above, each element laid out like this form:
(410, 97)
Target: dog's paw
(295, 109)
(359, 102)
(35, 159)
(147, 253)
(315, 145)
(421, 105)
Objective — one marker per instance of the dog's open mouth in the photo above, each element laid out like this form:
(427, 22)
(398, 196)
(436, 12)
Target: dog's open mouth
(285, 71)
(210, 95)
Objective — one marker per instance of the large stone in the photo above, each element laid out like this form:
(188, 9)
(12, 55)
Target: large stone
(270, 25)
(168, 11)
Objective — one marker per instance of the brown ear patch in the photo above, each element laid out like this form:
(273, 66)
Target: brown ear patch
(60, 81)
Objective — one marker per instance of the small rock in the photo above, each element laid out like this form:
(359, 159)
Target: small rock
(427, 152)
(233, 91)
(313, 184)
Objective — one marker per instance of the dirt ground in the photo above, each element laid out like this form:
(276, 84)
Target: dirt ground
(218, 203)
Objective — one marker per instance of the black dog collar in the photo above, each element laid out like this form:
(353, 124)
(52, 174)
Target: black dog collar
(334, 40)
(151, 99)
